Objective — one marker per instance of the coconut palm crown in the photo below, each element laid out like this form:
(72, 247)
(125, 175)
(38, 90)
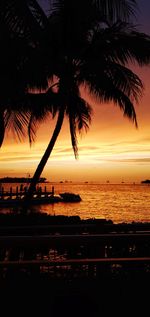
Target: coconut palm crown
(93, 50)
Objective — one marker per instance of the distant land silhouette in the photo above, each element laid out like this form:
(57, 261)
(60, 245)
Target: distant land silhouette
(20, 180)
(147, 181)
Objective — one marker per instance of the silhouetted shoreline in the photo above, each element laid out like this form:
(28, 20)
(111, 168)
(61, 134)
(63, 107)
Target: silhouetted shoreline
(147, 181)
(20, 180)
(67, 224)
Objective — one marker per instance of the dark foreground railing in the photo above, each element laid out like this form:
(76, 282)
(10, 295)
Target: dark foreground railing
(75, 256)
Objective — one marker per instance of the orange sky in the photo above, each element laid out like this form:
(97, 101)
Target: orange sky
(113, 149)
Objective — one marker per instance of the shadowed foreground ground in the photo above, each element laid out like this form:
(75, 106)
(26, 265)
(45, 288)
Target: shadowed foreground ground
(30, 297)
(121, 292)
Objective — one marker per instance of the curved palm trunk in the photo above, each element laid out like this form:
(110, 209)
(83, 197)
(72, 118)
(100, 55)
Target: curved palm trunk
(45, 157)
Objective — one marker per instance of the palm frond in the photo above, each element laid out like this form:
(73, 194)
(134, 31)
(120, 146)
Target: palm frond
(2, 127)
(71, 25)
(79, 113)
(121, 43)
(126, 106)
(32, 128)
(38, 13)
(83, 113)
(125, 80)
(38, 115)
(105, 75)
(23, 54)
(40, 105)
(79, 109)
(115, 10)
(23, 18)
(17, 121)
(72, 125)
(110, 82)
(107, 92)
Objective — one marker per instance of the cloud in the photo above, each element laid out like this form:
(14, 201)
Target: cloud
(18, 158)
(80, 148)
(136, 142)
(131, 160)
(63, 150)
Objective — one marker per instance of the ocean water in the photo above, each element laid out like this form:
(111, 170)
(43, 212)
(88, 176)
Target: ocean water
(116, 202)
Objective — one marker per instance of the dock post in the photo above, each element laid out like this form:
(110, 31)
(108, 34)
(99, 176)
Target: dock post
(17, 192)
(2, 192)
(52, 190)
(10, 192)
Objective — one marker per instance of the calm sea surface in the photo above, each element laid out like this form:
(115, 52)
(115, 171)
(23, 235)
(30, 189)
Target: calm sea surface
(116, 202)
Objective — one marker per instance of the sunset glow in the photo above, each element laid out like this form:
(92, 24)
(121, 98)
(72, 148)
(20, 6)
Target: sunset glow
(113, 149)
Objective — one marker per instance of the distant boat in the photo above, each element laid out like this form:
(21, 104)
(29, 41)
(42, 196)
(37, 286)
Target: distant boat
(147, 181)
(70, 197)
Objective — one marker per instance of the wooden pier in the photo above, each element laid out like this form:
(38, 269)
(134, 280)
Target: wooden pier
(13, 197)
(40, 196)
(21, 191)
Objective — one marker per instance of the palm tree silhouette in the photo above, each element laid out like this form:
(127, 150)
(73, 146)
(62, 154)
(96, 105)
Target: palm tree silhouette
(92, 50)
(80, 44)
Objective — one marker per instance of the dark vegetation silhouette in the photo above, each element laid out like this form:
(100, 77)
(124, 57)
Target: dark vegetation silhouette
(59, 55)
